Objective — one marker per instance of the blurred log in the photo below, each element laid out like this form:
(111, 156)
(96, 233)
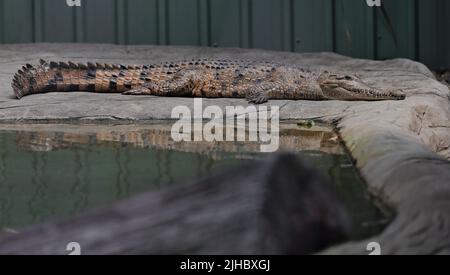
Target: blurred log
(275, 206)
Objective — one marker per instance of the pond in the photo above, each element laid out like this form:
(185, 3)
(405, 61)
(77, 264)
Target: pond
(50, 172)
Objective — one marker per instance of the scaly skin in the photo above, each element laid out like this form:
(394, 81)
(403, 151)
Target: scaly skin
(212, 78)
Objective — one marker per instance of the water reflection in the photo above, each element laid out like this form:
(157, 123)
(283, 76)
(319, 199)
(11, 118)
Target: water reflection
(54, 171)
(157, 136)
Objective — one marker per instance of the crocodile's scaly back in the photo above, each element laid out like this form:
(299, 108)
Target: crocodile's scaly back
(258, 82)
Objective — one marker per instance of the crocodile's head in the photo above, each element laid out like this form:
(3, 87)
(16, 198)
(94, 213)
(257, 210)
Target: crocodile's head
(351, 87)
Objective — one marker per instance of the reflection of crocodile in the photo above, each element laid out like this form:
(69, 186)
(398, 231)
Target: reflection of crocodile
(53, 137)
(258, 82)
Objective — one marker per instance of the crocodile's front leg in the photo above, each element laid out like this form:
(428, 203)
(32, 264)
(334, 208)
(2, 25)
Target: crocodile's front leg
(284, 90)
(260, 93)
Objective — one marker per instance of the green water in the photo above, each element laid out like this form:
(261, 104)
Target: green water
(37, 186)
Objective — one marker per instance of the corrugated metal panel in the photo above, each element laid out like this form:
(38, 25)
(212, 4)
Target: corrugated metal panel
(141, 22)
(354, 28)
(434, 30)
(312, 25)
(225, 21)
(417, 29)
(17, 21)
(396, 36)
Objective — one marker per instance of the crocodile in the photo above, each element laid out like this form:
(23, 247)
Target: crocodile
(210, 78)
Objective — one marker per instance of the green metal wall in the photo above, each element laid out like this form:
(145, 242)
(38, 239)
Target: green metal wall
(350, 27)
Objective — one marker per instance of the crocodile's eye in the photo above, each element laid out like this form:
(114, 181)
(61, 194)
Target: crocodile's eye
(348, 77)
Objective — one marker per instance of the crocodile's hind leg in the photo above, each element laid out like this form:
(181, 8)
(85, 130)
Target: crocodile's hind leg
(179, 85)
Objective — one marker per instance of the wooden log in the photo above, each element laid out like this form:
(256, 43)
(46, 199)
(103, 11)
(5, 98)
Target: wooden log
(274, 206)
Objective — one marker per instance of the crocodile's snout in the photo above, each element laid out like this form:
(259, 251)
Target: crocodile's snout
(398, 94)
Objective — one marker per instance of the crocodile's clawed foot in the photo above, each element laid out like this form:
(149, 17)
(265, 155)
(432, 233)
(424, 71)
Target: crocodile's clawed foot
(257, 98)
(138, 91)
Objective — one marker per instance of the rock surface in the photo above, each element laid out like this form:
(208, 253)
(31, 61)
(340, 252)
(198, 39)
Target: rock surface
(402, 148)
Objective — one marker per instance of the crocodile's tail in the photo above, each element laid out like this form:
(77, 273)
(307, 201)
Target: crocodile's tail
(22, 80)
(65, 77)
